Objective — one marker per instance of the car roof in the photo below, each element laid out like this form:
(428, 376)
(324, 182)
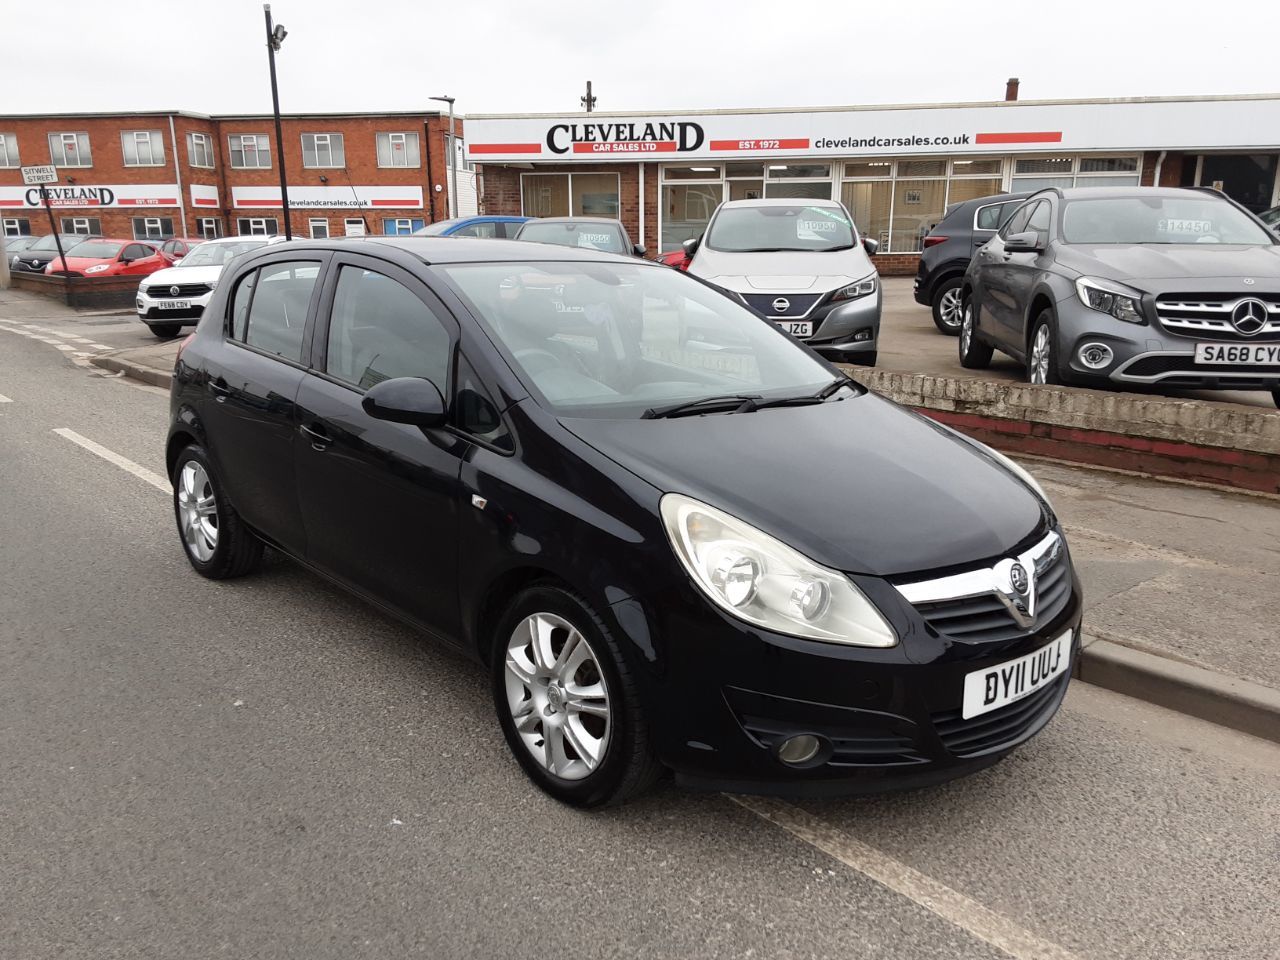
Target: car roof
(783, 202)
(471, 250)
(613, 220)
(1167, 193)
(993, 198)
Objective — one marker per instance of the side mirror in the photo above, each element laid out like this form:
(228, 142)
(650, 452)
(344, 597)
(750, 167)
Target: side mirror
(690, 246)
(412, 400)
(871, 246)
(1023, 243)
(638, 249)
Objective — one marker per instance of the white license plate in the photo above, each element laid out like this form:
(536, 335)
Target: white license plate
(174, 304)
(1228, 354)
(797, 328)
(1008, 682)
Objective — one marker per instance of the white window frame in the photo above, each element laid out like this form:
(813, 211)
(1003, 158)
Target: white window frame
(81, 226)
(9, 157)
(393, 137)
(205, 142)
(329, 141)
(1079, 178)
(261, 148)
(406, 222)
(12, 226)
(135, 139)
(571, 175)
(346, 227)
(257, 226)
(82, 150)
(209, 227)
(318, 222)
(152, 228)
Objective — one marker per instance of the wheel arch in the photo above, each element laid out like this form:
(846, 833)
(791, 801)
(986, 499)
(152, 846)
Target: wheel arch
(493, 600)
(1041, 301)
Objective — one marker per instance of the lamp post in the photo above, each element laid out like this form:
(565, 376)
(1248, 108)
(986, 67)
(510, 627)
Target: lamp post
(275, 37)
(453, 160)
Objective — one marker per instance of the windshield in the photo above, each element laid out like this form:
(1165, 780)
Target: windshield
(770, 229)
(95, 250)
(217, 254)
(1168, 220)
(590, 236)
(436, 229)
(50, 242)
(14, 244)
(606, 340)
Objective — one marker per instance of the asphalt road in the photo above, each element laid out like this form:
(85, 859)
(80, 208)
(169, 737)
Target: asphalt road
(268, 768)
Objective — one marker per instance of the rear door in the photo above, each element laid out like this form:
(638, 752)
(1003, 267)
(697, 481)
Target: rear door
(379, 500)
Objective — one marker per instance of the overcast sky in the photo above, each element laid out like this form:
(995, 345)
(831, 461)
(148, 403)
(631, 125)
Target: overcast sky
(509, 56)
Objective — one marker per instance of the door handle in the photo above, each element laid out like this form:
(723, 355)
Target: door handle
(220, 390)
(319, 439)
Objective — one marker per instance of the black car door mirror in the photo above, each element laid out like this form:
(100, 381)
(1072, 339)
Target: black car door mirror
(871, 246)
(638, 249)
(690, 246)
(413, 400)
(1028, 242)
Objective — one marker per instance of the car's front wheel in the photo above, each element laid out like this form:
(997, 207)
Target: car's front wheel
(165, 331)
(567, 702)
(948, 306)
(974, 354)
(215, 539)
(1042, 358)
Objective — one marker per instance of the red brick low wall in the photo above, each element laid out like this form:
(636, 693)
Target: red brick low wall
(102, 293)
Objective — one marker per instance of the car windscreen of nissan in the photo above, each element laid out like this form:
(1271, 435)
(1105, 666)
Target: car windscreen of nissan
(588, 236)
(774, 229)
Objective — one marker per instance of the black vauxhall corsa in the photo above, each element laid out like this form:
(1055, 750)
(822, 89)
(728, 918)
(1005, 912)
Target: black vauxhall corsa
(704, 553)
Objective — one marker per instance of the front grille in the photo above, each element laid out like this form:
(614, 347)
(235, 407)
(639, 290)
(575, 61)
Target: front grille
(1159, 363)
(1001, 728)
(985, 620)
(799, 304)
(165, 290)
(1208, 315)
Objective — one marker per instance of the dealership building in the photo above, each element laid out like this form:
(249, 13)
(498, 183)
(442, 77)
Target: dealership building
(896, 168)
(174, 173)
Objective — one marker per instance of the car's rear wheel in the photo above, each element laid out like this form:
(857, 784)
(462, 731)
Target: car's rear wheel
(567, 702)
(1042, 357)
(166, 331)
(215, 539)
(948, 306)
(974, 354)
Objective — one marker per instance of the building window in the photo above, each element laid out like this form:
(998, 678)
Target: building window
(569, 194)
(319, 228)
(354, 227)
(323, 150)
(402, 226)
(209, 227)
(257, 226)
(152, 228)
(70, 150)
(17, 227)
(1039, 173)
(9, 150)
(142, 148)
(200, 150)
(398, 150)
(249, 151)
(82, 226)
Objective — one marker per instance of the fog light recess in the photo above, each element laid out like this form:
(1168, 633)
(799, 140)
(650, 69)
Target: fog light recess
(862, 336)
(1095, 356)
(799, 750)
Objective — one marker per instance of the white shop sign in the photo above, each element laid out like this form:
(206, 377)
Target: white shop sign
(356, 197)
(1239, 123)
(204, 196)
(94, 195)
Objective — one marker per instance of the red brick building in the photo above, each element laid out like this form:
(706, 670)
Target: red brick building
(173, 173)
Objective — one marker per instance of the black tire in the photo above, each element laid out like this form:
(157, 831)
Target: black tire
(945, 295)
(629, 767)
(238, 550)
(974, 353)
(165, 331)
(1052, 373)
(1275, 397)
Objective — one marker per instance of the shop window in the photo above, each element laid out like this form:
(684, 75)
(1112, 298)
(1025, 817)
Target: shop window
(691, 173)
(871, 204)
(799, 170)
(82, 226)
(565, 194)
(970, 168)
(200, 150)
(398, 150)
(257, 226)
(318, 228)
(70, 150)
(142, 148)
(152, 228)
(545, 195)
(323, 150)
(800, 190)
(922, 168)
(17, 227)
(917, 206)
(249, 151)
(1108, 164)
(746, 189)
(9, 150)
(1061, 166)
(875, 169)
(971, 189)
(686, 210)
(594, 194)
(744, 168)
(209, 227)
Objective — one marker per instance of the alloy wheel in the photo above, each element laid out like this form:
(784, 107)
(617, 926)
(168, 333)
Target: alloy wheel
(557, 695)
(197, 511)
(950, 308)
(1040, 355)
(966, 328)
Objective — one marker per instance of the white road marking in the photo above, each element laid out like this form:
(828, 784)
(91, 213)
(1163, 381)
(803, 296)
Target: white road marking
(951, 905)
(100, 346)
(65, 346)
(124, 463)
(4, 399)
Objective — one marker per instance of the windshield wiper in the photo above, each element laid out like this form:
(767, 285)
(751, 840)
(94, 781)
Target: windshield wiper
(801, 401)
(731, 402)
(764, 250)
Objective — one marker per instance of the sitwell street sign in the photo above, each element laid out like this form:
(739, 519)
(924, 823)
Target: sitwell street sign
(34, 176)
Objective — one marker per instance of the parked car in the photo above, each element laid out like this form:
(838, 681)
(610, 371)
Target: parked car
(949, 247)
(175, 297)
(489, 227)
(1271, 218)
(105, 257)
(175, 248)
(588, 233)
(800, 264)
(37, 257)
(15, 245)
(679, 259)
(504, 444)
(1138, 285)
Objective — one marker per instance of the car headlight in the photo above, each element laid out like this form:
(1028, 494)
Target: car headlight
(97, 268)
(864, 287)
(763, 581)
(1112, 298)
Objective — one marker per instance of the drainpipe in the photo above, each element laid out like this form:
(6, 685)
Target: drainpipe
(641, 165)
(1155, 182)
(177, 172)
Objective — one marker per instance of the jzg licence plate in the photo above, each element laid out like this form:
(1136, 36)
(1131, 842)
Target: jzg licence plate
(1242, 354)
(797, 328)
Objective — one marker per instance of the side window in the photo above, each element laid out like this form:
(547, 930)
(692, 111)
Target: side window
(487, 230)
(1038, 222)
(278, 311)
(510, 228)
(136, 251)
(989, 217)
(476, 413)
(1017, 223)
(380, 330)
(240, 305)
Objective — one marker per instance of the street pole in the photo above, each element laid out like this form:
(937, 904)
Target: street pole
(273, 44)
(57, 242)
(4, 264)
(453, 160)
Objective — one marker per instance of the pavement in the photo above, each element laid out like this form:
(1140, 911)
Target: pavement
(270, 768)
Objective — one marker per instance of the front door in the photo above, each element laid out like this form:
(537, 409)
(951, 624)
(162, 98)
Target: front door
(995, 298)
(380, 500)
(1021, 270)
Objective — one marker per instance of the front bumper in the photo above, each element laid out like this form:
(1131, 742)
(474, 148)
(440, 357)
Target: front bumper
(888, 719)
(151, 310)
(847, 331)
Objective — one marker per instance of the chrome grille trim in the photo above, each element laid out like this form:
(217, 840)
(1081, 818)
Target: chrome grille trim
(1213, 314)
(976, 583)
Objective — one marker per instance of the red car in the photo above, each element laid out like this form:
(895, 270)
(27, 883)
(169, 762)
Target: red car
(110, 258)
(676, 258)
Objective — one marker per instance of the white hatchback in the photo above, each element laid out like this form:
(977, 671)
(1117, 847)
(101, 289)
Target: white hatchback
(176, 296)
